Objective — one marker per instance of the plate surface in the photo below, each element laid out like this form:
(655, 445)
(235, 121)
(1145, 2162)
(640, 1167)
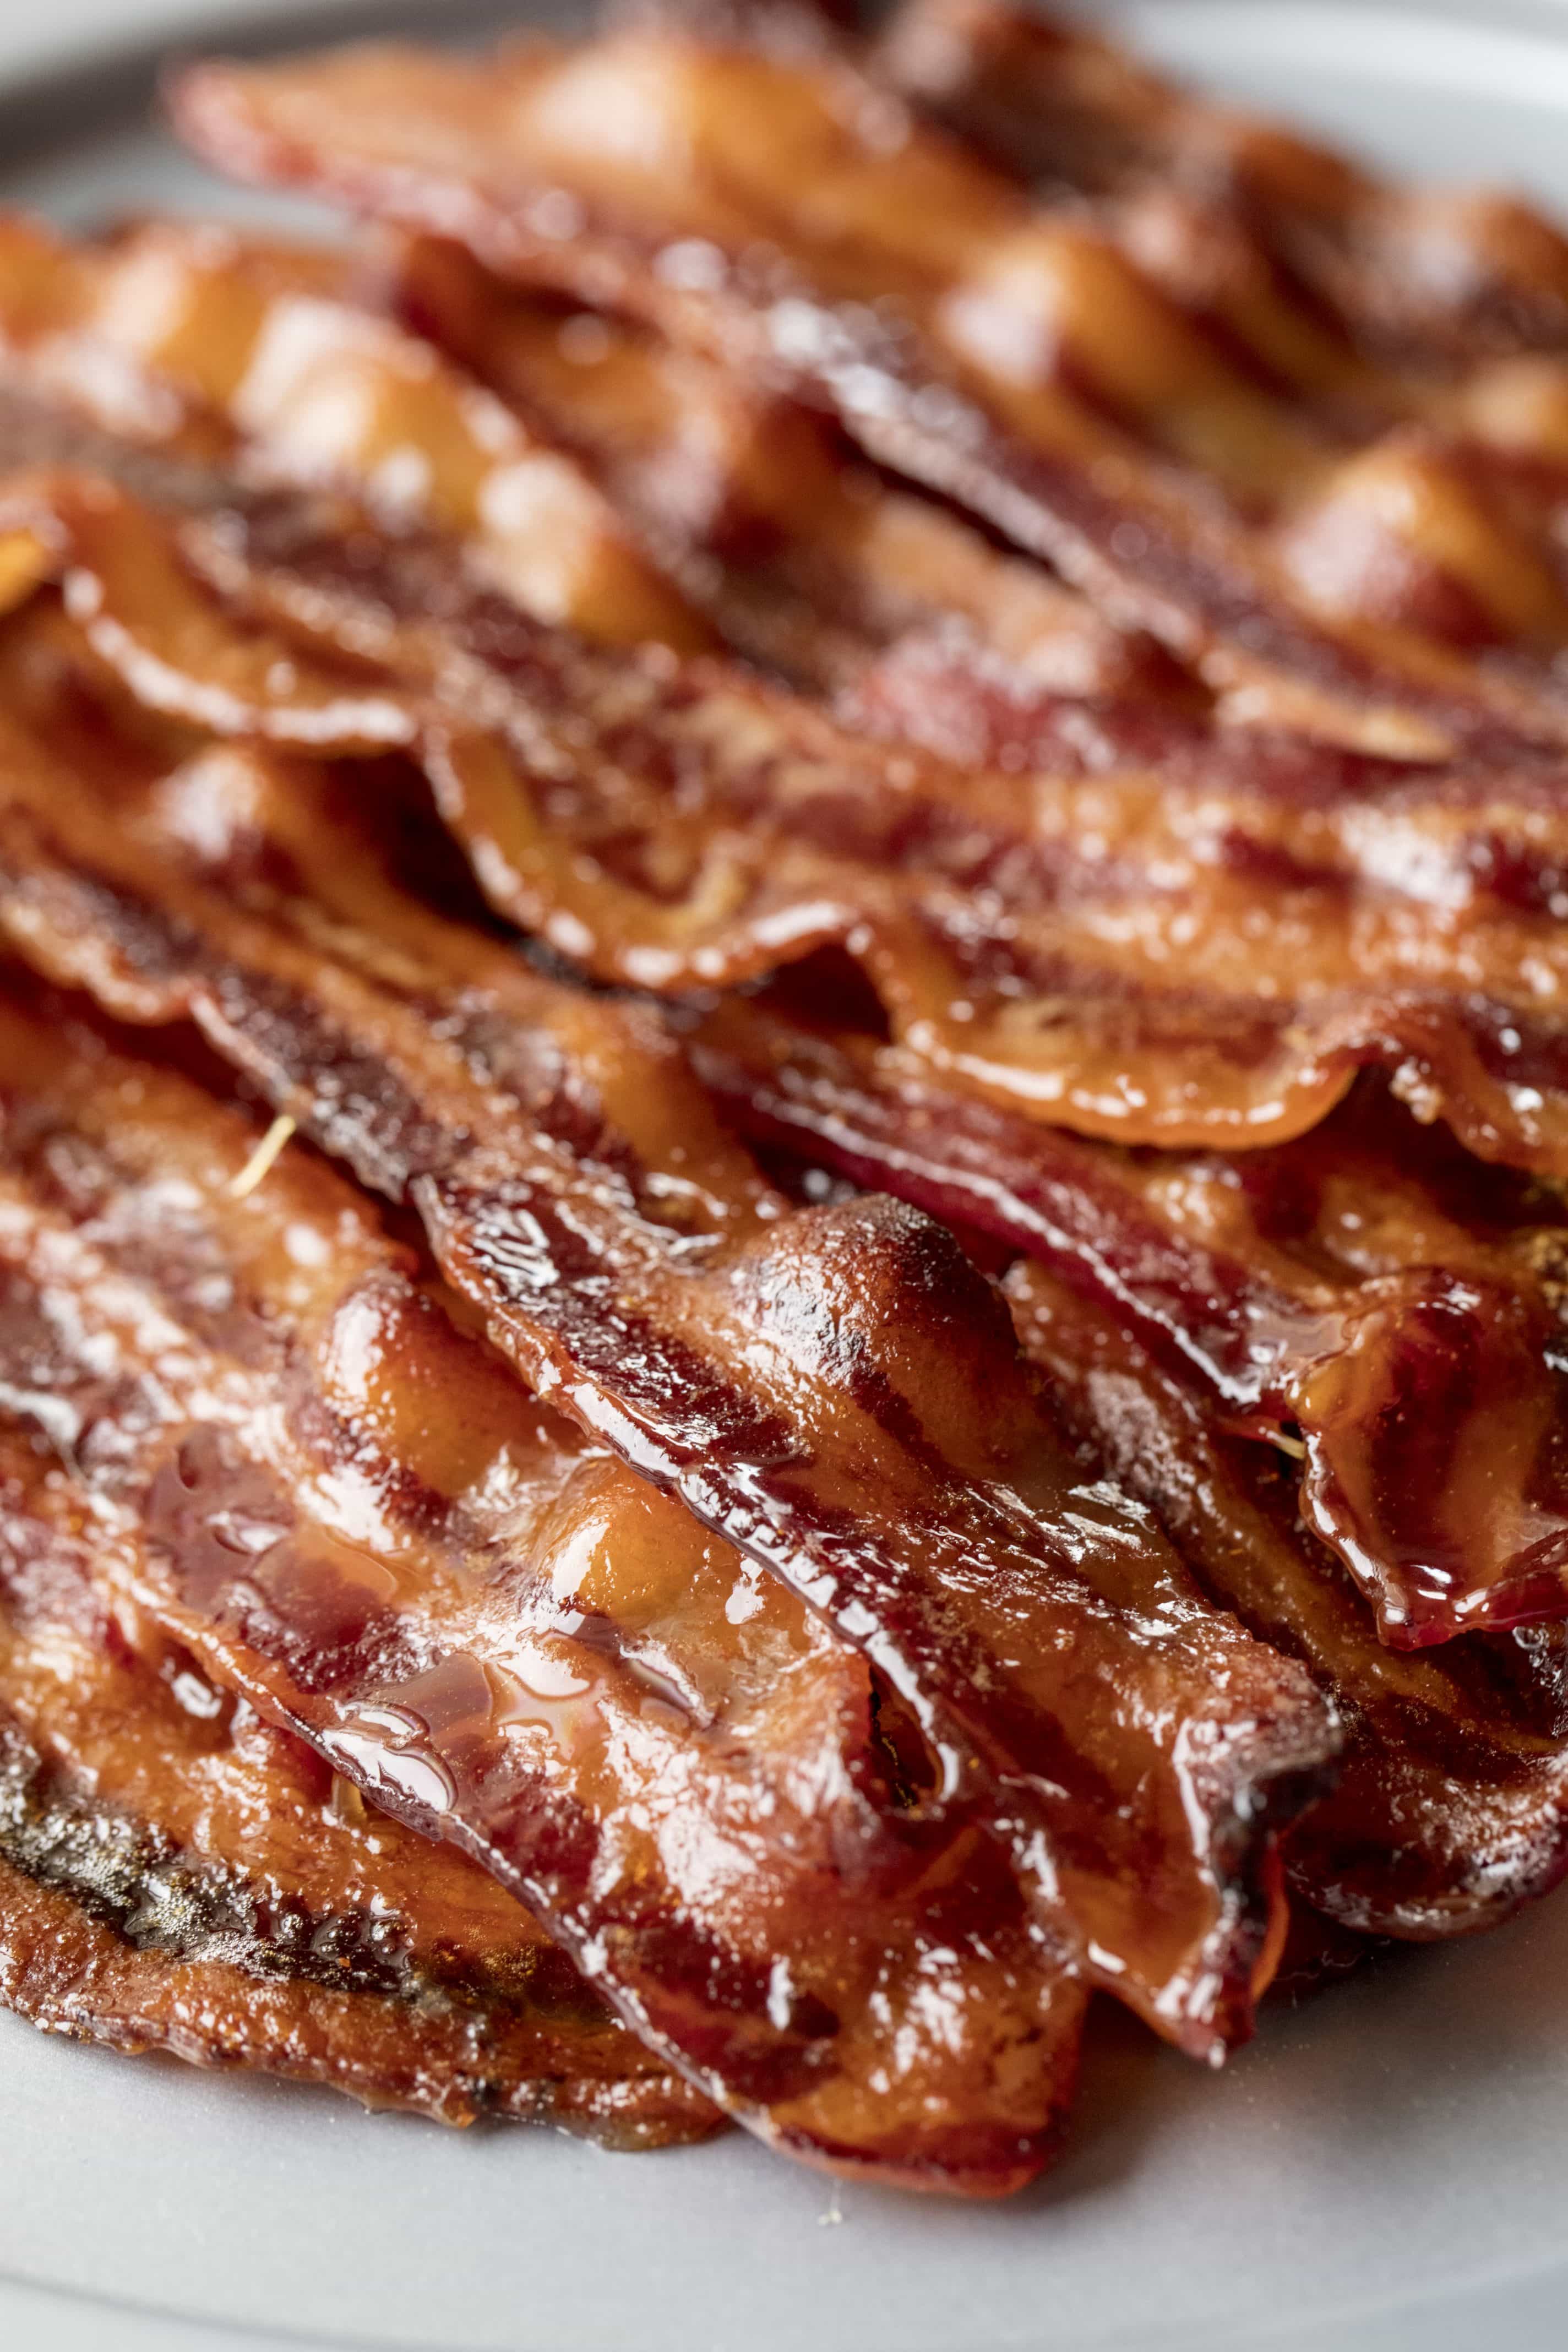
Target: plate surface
(1383, 2170)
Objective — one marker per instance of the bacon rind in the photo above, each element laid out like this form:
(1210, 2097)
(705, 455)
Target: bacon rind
(1446, 1291)
(841, 311)
(371, 1081)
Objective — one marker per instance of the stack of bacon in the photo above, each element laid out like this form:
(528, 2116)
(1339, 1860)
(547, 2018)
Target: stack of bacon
(953, 620)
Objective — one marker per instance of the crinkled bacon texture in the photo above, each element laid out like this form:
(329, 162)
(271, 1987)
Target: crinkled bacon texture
(301, 1468)
(1160, 935)
(1132, 922)
(1338, 544)
(178, 1876)
(698, 1651)
(1441, 1540)
(834, 1392)
(1269, 233)
(1385, 1309)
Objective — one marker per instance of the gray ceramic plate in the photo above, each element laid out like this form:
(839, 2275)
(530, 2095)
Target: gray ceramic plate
(1383, 2169)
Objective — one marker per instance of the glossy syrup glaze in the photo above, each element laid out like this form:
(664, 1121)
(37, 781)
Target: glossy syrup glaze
(1368, 1298)
(344, 1506)
(710, 1339)
(1018, 358)
(178, 1874)
(1153, 935)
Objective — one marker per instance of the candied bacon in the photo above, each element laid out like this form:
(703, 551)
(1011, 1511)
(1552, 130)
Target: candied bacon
(1092, 945)
(1288, 239)
(805, 558)
(710, 1350)
(1452, 1809)
(344, 1507)
(1367, 1295)
(251, 356)
(176, 1875)
(1036, 951)
(784, 213)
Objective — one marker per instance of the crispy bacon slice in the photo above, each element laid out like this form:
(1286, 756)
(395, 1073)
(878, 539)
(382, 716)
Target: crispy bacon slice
(806, 560)
(1452, 1809)
(298, 1467)
(1368, 1296)
(1279, 232)
(253, 357)
(706, 1339)
(1169, 936)
(1011, 358)
(176, 1875)
(1093, 947)
(265, 361)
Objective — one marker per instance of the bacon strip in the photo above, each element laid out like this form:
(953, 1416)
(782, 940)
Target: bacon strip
(251, 357)
(1367, 1295)
(711, 1352)
(1162, 1298)
(1095, 949)
(1450, 1812)
(806, 560)
(1282, 231)
(174, 1874)
(349, 1512)
(1013, 359)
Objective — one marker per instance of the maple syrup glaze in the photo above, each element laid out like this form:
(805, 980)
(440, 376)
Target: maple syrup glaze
(1021, 359)
(175, 1873)
(368, 1531)
(667, 1316)
(774, 1652)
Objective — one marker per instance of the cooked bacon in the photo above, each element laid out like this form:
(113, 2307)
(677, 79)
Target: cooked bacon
(1096, 947)
(1149, 1283)
(784, 213)
(176, 1875)
(710, 1352)
(806, 559)
(1452, 1809)
(1280, 231)
(254, 357)
(1368, 1296)
(1167, 938)
(296, 1464)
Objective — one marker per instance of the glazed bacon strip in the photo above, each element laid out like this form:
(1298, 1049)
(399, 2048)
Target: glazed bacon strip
(266, 361)
(920, 1505)
(1093, 947)
(297, 1465)
(806, 560)
(1415, 1532)
(784, 214)
(250, 357)
(1241, 208)
(176, 1875)
(1368, 1296)
(1452, 1808)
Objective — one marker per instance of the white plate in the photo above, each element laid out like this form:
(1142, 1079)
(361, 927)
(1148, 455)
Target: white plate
(1385, 2170)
